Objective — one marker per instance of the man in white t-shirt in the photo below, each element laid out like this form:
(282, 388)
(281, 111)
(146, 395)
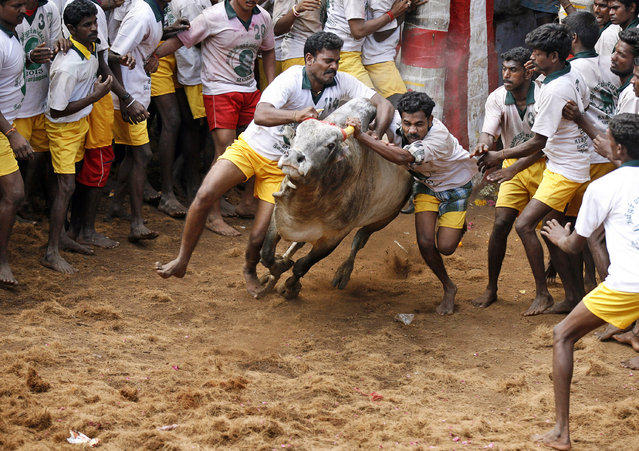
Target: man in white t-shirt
(611, 201)
(232, 33)
(294, 21)
(12, 143)
(443, 171)
(608, 32)
(568, 151)
(294, 96)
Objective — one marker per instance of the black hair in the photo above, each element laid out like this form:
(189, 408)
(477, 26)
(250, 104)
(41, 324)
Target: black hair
(584, 25)
(78, 10)
(624, 128)
(631, 37)
(322, 40)
(551, 37)
(414, 101)
(517, 54)
(628, 3)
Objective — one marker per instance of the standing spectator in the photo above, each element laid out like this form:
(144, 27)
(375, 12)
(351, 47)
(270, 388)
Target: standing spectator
(295, 21)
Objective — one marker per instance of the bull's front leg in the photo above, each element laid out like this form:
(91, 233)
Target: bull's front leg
(275, 264)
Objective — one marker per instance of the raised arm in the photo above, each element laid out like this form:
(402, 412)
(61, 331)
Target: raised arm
(361, 28)
(384, 116)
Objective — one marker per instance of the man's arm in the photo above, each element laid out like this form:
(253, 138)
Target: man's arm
(285, 23)
(494, 158)
(572, 113)
(133, 109)
(389, 151)
(269, 116)
(100, 89)
(384, 116)
(563, 238)
(485, 143)
(504, 174)
(268, 62)
(21, 147)
(361, 28)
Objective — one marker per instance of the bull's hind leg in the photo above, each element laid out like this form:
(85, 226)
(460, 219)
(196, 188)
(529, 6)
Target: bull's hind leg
(343, 273)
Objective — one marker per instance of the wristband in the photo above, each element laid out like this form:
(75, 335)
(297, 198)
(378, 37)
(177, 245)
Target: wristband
(132, 102)
(391, 15)
(11, 130)
(29, 56)
(295, 13)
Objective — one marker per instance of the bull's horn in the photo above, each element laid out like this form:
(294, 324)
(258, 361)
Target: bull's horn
(290, 184)
(348, 131)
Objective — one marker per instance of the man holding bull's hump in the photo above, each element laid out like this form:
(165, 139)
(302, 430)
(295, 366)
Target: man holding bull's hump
(294, 96)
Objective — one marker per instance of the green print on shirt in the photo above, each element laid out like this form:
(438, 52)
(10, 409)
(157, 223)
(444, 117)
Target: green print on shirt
(242, 59)
(31, 44)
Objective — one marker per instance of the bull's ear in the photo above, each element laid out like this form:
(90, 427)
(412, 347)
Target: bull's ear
(288, 133)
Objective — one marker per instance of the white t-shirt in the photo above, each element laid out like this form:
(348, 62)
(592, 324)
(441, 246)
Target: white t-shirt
(288, 91)
(374, 52)
(628, 102)
(72, 77)
(229, 48)
(446, 164)
(12, 83)
(613, 200)
(139, 34)
(42, 27)
(292, 45)
(603, 86)
(568, 147)
(338, 13)
(607, 40)
(116, 17)
(189, 60)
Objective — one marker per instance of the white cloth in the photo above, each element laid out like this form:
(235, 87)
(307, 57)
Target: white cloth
(139, 34)
(116, 17)
(229, 50)
(567, 148)
(374, 52)
(72, 78)
(43, 27)
(189, 60)
(628, 102)
(606, 43)
(446, 163)
(292, 45)
(12, 83)
(285, 92)
(613, 200)
(338, 13)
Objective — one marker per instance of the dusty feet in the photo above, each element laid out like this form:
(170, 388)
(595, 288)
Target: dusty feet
(175, 268)
(447, 306)
(141, 232)
(171, 206)
(94, 238)
(539, 305)
(69, 245)
(632, 364)
(53, 260)
(217, 225)
(608, 332)
(6, 276)
(253, 284)
(487, 298)
(563, 307)
(553, 439)
(628, 338)
(150, 195)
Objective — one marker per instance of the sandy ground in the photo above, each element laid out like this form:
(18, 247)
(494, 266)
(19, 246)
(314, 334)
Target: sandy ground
(115, 352)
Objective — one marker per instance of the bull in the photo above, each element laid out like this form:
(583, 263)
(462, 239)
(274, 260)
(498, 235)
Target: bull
(332, 185)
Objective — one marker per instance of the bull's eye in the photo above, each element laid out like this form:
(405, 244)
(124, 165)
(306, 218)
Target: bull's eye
(331, 146)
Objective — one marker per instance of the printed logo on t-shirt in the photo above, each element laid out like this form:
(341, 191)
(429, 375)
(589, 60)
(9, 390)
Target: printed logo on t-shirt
(242, 59)
(520, 138)
(632, 219)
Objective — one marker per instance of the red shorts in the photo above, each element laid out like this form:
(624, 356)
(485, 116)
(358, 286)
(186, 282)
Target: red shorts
(96, 166)
(231, 110)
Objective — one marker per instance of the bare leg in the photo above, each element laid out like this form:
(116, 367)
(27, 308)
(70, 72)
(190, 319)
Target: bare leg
(597, 245)
(192, 138)
(247, 206)
(140, 156)
(254, 245)
(116, 203)
(11, 197)
(577, 324)
(83, 212)
(504, 220)
(590, 278)
(35, 169)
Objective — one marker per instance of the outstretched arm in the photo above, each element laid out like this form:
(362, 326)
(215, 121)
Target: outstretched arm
(495, 158)
(269, 116)
(389, 151)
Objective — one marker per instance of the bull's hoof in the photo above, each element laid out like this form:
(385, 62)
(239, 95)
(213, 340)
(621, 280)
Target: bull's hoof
(268, 282)
(343, 275)
(291, 288)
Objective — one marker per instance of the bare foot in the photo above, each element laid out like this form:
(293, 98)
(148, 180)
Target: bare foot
(53, 260)
(253, 284)
(141, 232)
(116, 210)
(562, 307)
(228, 209)
(632, 364)
(553, 439)
(94, 238)
(628, 338)
(173, 268)
(539, 304)
(150, 195)
(447, 306)
(246, 211)
(217, 225)
(69, 245)
(6, 276)
(608, 332)
(171, 206)
(487, 298)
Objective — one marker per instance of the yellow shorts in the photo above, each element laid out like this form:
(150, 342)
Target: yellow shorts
(267, 175)
(262, 83)
(8, 162)
(452, 219)
(351, 63)
(386, 78)
(66, 144)
(33, 130)
(597, 170)
(129, 134)
(555, 190)
(287, 64)
(163, 80)
(517, 192)
(101, 124)
(618, 308)
(195, 99)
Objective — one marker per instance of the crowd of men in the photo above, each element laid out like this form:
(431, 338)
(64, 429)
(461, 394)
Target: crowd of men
(561, 136)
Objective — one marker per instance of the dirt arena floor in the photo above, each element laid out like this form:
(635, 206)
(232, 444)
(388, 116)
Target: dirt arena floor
(116, 352)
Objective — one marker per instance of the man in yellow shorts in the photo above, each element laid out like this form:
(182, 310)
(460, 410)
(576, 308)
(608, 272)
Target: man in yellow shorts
(443, 171)
(294, 21)
(72, 91)
(611, 201)
(294, 96)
